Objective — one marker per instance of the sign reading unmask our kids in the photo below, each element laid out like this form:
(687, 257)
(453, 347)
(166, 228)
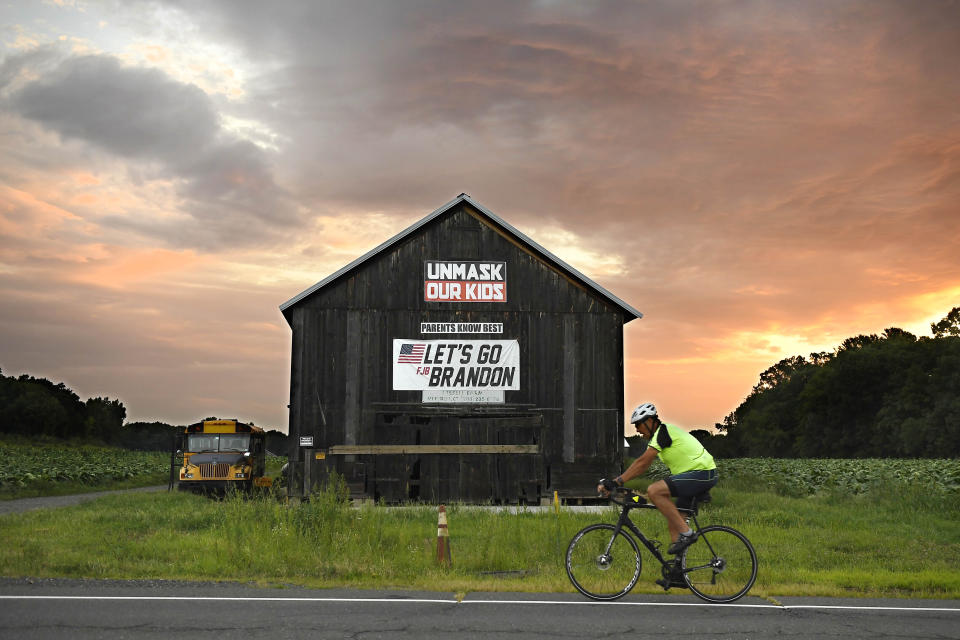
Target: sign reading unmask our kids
(455, 369)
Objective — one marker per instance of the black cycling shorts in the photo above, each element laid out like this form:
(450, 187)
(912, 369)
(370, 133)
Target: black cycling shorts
(692, 483)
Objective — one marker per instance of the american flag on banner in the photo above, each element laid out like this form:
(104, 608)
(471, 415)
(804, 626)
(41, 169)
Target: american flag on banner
(411, 353)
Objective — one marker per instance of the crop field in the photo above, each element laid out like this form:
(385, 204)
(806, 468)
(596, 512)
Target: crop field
(805, 477)
(855, 476)
(32, 469)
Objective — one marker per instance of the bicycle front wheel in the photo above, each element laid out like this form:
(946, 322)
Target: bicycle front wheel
(721, 565)
(601, 565)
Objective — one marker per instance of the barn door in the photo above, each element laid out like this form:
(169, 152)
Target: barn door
(448, 458)
(513, 471)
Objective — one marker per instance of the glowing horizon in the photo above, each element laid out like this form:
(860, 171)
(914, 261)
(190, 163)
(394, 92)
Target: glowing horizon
(760, 179)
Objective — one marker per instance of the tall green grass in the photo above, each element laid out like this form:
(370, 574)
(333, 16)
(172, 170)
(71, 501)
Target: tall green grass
(895, 542)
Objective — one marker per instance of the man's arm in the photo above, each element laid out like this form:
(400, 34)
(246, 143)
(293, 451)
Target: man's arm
(639, 465)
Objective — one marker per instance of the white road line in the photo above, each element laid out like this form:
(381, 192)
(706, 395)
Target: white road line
(228, 599)
(711, 604)
(511, 602)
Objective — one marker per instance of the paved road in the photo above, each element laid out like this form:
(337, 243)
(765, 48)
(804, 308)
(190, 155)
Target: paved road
(152, 609)
(29, 504)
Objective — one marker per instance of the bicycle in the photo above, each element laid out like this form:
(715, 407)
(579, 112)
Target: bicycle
(603, 560)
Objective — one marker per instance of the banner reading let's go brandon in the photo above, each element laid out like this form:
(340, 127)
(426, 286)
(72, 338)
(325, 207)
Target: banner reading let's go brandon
(456, 364)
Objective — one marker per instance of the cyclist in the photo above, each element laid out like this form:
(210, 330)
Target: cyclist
(692, 471)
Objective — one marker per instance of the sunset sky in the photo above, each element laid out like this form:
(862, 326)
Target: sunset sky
(760, 179)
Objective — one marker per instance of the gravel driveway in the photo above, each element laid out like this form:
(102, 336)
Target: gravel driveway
(52, 502)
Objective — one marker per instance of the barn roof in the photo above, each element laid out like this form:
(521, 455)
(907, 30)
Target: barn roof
(535, 248)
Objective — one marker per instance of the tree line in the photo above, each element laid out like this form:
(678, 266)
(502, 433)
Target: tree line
(33, 407)
(891, 395)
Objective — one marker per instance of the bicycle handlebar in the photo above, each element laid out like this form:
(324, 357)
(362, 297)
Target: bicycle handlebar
(629, 498)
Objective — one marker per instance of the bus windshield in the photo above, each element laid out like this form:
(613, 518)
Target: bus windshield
(214, 442)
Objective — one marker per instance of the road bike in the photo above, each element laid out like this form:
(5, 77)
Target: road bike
(603, 560)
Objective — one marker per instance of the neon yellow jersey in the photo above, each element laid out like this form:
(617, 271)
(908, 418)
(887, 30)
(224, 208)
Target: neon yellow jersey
(685, 454)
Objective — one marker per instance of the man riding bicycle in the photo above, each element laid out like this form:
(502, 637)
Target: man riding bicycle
(692, 471)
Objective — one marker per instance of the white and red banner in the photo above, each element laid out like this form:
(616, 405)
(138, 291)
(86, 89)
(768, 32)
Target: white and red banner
(465, 281)
(456, 364)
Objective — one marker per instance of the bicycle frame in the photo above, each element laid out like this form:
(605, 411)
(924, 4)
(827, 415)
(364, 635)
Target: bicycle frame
(652, 547)
(721, 568)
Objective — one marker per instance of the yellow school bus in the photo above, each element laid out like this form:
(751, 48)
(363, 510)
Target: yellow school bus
(219, 454)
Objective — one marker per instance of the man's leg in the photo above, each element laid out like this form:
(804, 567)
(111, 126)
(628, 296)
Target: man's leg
(659, 494)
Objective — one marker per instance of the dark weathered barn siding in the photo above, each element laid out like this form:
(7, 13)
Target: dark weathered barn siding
(570, 402)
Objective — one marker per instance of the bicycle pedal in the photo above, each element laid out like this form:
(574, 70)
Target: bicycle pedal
(674, 583)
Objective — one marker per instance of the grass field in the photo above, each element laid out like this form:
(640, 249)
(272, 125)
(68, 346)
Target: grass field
(894, 538)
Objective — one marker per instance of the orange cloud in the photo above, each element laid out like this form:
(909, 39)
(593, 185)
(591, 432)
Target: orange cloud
(123, 267)
(23, 213)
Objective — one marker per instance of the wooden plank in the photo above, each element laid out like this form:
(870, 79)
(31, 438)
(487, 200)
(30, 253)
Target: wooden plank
(426, 449)
(352, 379)
(569, 388)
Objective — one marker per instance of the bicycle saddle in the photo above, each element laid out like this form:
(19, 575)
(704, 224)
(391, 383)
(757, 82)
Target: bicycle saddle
(692, 503)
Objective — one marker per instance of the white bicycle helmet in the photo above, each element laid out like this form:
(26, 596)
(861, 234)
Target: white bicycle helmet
(643, 412)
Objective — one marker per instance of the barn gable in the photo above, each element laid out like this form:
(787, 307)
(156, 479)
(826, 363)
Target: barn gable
(485, 215)
(376, 395)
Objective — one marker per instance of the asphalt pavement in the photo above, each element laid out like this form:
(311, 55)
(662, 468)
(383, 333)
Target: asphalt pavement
(87, 609)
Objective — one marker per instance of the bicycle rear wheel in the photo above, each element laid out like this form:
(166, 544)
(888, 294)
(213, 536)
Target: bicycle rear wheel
(721, 565)
(603, 566)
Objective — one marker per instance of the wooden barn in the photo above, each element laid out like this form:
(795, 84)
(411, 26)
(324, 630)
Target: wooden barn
(457, 361)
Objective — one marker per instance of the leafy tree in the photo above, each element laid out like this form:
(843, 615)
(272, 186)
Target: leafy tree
(36, 406)
(702, 435)
(779, 373)
(894, 333)
(892, 395)
(948, 326)
(857, 342)
(104, 419)
(148, 436)
(28, 408)
(821, 358)
(726, 444)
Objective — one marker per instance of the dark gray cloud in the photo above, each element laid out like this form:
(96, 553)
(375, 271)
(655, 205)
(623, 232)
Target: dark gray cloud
(168, 130)
(134, 112)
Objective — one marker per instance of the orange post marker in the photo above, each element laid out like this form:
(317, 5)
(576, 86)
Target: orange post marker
(443, 539)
